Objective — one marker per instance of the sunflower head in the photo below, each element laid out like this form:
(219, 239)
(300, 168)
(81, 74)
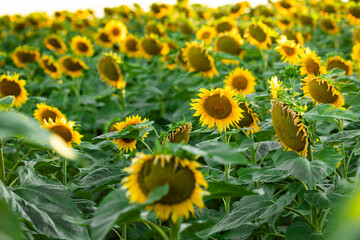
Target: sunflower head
(64, 129)
(184, 180)
(116, 30)
(286, 7)
(131, 46)
(45, 113)
(109, 69)
(321, 91)
(25, 54)
(186, 27)
(160, 10)
(225, 24)
(241, 81)
(50, 66)
(311, 63)
(150, 46)
(180, 59)
(276, 87)
(289, 128)
(229, 43)
(198, 59)
(82, 46)
(128, 144)
(353, 13)
(249, 120)
(338, 62)
(10, 85)
(289, 50)
(55, 43)
(110, 126)
(154, 28)
(306, 19)
(206, 34)
(258, 34)
(102, 38)
(72, 66)
(238, 8)
(329, 25)
(179, 132)
(355, 55)
(217, 107)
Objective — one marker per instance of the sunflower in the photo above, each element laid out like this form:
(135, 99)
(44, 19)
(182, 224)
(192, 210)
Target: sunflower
(257, 34)
(150, 46)
(353, 15)
(128, 143)
(275, 87)
(110, 126)
(206, 34)
(55, 43)
(50, 66)
(338, 62)
(25, 54)
(82, 46)
(180, 59)
(64, 129)
(12, 86)
(311, 63)
(321, 91)
(225, 24)
(307, 20)
(154, 28)
(44, 113)
(289, 51)
(355, 55)
(289, 129)
(241, 81)
(217, 107)
(238, 8)
(229, 43)
(109, 70)
(130, 46)
(186, 27)
(286, 7)
(179, 133)
(291, 34)
(250, 119)
(329, 25)
(160, 10)
(102, 38)
(198, 59)
(150, 171)
(72, 66)
(116, 30)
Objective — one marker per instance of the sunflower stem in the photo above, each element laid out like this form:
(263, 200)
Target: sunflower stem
(175, 230)
(310, 153)
(2, 164)
(157, 228)
(264, 57)
(147, 146)
(17, 164)
(64, 171)
(300, 214)
(123, 232)
(157, 135)
(340, 124)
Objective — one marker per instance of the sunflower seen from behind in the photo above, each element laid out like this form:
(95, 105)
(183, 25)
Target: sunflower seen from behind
(109, 70)
(64, 129)
(82, 46)
(72, 66)
(231, 44)
(217, 107)
(184, 179)
(179, 132)
(24, 55)
(44, 113)
(241, 80)
(10, 85)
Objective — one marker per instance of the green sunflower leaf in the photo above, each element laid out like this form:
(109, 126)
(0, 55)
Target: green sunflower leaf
(327, 112)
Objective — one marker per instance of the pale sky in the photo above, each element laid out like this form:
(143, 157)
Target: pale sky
(27, 6)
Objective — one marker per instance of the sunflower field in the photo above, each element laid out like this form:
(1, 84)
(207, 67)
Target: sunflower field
(182, 122)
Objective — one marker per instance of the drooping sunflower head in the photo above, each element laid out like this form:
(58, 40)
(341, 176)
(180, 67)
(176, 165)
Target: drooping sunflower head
(64, 129)
(154, 28)
(338, 62)
(238, 8)
(150, 171)
(307, 19)
(180, 59)
(241, 81)
(179, 132)
(321, 91)
(110, 126)
(102, 38)
(206, 34)
(276, 87)
(229, 43)
(217, 107)
(10, 85)
(50, 66)
(257, 34)
(249, 120)
(329, 25)
(130, 46)
(225, 24)
(82, 46)
(311, 63)
(286, 7)
(128, 144)
(150, 46)
(109, 69)
(72, 66)
(55, 43)
(355, 55)
(329, 8)
(291, 34)
(25, 54)
(199, 59)
(289, 50)
(43, 113)
(186, 27)
(353, 15)
(116, 30)
(289, 128)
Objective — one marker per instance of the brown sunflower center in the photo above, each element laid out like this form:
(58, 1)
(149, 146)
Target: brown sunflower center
(229, 45)
(115, 31)
(306, 20)
(337, 64)
(218, 107)
(247, 119)
(257, 33)
(185, 28)
(285, 21)
(290, 51)
(329, 8)
(54, 43)
(286, 129)
(152, 29)
(355, 11)
(285, 4)
(107, 67)
(63, 132)
(291, 35)
(49, 65)
(128, 140)
(327, 24)
(104, 38)
(48, 114)
(181, 180)
(131, 45)
(311, 66)
(9, 88)
(240, 82)
(235, 8)
(205, 35)
(72, 65)
(321, 92)
(223, 27)
(26, 57)
(198, 59)
(150, 46)
(82, 47)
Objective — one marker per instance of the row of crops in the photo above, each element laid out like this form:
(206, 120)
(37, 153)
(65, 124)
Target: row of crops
(181, 122)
